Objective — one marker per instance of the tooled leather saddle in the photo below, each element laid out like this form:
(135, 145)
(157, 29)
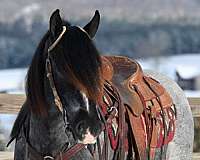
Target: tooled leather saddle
(144, 108)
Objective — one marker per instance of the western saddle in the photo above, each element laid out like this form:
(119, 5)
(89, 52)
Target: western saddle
(143, 110)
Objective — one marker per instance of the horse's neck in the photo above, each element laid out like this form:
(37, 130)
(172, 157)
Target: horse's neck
(47, 134)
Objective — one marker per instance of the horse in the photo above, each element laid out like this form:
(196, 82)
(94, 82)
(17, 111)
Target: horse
(60, 118)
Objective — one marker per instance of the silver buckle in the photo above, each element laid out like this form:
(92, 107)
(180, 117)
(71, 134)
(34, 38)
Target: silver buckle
(48, 157)
(113, 108)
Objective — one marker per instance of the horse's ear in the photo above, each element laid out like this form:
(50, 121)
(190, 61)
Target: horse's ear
(92, 26)
(55, 23)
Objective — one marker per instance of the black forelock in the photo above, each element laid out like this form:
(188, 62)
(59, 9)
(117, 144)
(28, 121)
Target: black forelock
(76, 58)
(77, 54)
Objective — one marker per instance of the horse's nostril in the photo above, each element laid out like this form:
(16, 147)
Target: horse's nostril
(80, 127)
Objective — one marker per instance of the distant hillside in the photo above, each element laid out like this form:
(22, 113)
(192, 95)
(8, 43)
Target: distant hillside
(132, 10)
(134, 28)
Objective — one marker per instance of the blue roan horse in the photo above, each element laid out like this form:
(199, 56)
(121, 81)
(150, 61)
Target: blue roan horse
(61, 113)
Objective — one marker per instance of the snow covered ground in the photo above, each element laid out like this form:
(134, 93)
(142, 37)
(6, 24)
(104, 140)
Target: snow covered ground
(12, 80)
(187, 65)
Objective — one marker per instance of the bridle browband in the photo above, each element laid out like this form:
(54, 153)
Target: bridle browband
(57, 40)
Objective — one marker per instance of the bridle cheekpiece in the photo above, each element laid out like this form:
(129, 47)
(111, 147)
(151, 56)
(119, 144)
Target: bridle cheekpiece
(57, 100)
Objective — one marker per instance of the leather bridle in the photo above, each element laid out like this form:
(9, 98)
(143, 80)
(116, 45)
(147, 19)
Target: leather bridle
(77, 147)
(74, 149)
(57, 100)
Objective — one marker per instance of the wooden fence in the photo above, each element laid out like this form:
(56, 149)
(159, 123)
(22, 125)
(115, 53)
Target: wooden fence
(11, 103)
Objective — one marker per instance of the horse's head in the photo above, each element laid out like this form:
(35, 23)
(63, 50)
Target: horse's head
(76, 71)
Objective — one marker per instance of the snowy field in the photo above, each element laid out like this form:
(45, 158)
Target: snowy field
(12, 80)
(187, 65)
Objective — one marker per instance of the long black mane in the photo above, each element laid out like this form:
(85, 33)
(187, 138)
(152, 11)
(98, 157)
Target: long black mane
(35, 78)
(75, 57)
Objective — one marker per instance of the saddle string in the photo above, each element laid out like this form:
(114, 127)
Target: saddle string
(163, 118)
(103, 154)
(113, 92)
(148, 129)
